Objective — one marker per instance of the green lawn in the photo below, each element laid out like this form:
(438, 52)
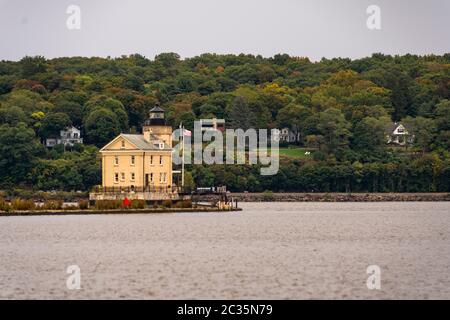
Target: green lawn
(294, 152)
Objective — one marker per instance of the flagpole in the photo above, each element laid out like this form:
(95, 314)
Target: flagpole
(182, 155)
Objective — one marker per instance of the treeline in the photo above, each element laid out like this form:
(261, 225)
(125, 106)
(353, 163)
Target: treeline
(424, 174)
(339, 107)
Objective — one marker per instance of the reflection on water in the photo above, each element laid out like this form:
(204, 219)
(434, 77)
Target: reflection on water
(270, 250)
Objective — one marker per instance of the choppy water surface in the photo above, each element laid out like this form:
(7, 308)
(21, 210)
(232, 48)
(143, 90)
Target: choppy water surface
(267, 251)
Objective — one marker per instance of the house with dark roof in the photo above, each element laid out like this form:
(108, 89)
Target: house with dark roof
(285, 135)
(212, 124)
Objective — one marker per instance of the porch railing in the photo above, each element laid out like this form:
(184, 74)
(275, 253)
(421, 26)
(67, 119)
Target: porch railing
(159, 189)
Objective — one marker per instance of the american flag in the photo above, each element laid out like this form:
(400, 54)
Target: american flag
(187, 133)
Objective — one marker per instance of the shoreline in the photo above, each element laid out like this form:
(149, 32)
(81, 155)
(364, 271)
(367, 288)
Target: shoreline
(111, 212)
(340, 197)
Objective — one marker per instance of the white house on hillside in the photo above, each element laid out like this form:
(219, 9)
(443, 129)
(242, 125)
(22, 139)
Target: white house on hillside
(68, 137)
(398, 134)
(285, 135)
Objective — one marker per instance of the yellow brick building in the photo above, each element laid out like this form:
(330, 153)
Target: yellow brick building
(140, 161)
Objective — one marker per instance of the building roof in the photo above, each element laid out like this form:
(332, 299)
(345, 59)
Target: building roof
(218, 121)
(71, 128)
(155, 120)
(139, 142)
(157, 108)
(393, 126)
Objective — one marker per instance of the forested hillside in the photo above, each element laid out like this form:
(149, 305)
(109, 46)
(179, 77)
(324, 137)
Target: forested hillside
(339, 107)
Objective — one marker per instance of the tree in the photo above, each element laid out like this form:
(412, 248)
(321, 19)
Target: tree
(73, 110)
(220, 101)
(335, 130)
(203, 176)
(136, 105)
(168, 59)
(186, 82)
(208, 110)
(89, 166)
(356, 114)
(369, 136)
(188, 119)
(442, 115)
(53, 123)
(281, 59)
(18, 151)
(33, 65)
(259, 115)
(423, 129)
(6, 84)
(189, 180)
(208, 87)
(36, 120)
(12, 115)
(314, 141)
(294, 117)
(240, 115)
(395, 79)
(28, 100)
(105, 102)
(246, 74)
(59, 174)
(133, 82)
(101, 126)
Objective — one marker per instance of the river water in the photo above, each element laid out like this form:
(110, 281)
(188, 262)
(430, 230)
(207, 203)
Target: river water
(267, 251)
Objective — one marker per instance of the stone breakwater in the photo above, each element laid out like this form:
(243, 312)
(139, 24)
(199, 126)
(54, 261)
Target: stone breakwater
(111, 212)
(339, 197)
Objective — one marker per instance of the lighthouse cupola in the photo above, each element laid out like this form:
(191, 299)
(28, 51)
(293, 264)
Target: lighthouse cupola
(156, 117)
(155, 126)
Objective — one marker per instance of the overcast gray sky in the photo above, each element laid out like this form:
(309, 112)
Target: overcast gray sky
(313, 28)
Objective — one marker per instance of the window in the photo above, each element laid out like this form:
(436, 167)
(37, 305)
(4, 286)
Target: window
(160, 159)
(116, 177)
(122, 176)
(75, 135)
(123, 144)
(116, 160)
(151, 177)
(162, 177)
(132, 160)
(132, 176)
(151, 159)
